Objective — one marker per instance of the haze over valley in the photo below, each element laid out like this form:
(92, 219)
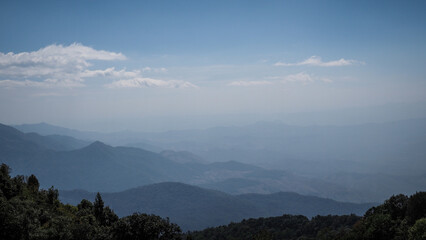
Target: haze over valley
(212, 120)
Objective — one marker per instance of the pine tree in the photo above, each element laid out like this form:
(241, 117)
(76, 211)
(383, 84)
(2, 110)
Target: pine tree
(98, 206)
(33, 183)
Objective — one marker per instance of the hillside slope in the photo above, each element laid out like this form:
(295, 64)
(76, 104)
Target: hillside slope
(195, 208)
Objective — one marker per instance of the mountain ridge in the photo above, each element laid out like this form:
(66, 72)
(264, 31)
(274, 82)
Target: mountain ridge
(194, 207)
(101, 167)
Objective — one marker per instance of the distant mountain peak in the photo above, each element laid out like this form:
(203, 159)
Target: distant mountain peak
(182, 156)
(98, 147)
(98, 144)
(8, 129)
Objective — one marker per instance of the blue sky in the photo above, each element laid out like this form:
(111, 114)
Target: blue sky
(80, 63)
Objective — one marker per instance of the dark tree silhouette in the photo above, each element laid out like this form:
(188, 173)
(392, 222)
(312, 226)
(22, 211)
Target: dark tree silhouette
(33, 183)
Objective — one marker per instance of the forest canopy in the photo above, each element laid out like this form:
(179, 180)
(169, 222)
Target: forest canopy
(27, 212)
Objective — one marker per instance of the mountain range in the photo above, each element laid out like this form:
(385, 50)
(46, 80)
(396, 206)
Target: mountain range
(195, 208)
(394, 148)
(359, 163)
(100, 167)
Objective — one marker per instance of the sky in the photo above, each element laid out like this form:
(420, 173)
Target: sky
(163, 65)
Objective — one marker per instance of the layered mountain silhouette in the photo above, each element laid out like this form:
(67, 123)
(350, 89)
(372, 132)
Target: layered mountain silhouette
(364, 162)
(59, 161)
(96, 167)
(195, 208)
(100, 167)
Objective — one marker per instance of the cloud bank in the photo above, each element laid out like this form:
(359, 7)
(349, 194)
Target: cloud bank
(249, 83)
(317, 61)
(69, 67)
(304, 78)
(299, 77)
(149, 82)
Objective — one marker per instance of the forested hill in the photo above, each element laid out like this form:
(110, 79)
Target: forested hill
(195, 208)
(26, 212)
(399, 217)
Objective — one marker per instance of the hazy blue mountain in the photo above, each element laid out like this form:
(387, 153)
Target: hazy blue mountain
(48, 129)
(14, 144)
(269, 181)
(146, 146)
(384, 147)
(234, 165)
(197, 208)
(383, 153)
(234, 185)
(124, 138)
(377, 185)
(52, 142)
(238, 178)
(182, 156)
(100, 167)
(395, 148)
(57, 142)
(276, 204)
(97, 167)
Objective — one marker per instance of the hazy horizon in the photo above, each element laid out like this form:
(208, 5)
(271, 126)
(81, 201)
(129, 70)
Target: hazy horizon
(156, 66)
(338, 117)
(250, 119)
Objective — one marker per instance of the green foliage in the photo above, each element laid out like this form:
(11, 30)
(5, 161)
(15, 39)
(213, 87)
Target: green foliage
(284, 227)
(29, 213)
(33, 183)
(98, 207)
(398, 218)
(143, 226)
(85, 205)
(418, 230)
(416, 207)
(393, 219)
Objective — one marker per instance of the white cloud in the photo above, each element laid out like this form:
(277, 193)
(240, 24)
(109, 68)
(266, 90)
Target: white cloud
(54, 65)
(326, 80)
(249, 83)
(317, 61)
(70, 66)
(111, 72)
(299, 77)
(53, 59)
(155, 70)
(304, 78)
(141, 82)
(48, 83)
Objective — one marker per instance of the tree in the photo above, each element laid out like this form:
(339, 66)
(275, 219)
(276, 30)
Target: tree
(29, 213)
(4, 170)
(416, 207)
(109, 216)
(148, 227)
(52, 196)
(396, 206)
(85, 205)
(33, 183)
(418, 230)
(98, 208)
(6, 185)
